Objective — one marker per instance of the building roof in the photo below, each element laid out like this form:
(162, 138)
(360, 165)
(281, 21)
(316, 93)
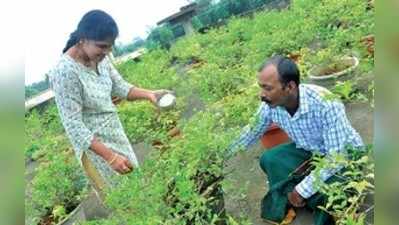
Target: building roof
(131, 56)
(183, 11)
(38, 99)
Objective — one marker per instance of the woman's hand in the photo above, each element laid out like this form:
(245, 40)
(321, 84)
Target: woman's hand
(116, 161)
(137, 93)
(120, 164)
(157, 94)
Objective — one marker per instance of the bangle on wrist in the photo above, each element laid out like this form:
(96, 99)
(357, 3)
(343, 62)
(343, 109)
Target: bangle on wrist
(113, 159)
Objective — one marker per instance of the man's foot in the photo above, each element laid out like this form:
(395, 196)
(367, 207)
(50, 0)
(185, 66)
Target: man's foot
(289, 217)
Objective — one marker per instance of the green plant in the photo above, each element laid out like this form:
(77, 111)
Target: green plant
(33, 134)
(345, 197)
(59, 212)
(344, 89)
(57, 187)
(41, 129)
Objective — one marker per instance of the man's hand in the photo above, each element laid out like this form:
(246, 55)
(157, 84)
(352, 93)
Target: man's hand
(296, 199)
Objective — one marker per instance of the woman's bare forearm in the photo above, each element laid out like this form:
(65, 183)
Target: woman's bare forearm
(140, 93)
(100, 149)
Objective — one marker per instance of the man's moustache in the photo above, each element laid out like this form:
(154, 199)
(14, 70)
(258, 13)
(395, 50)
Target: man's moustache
(264, 99)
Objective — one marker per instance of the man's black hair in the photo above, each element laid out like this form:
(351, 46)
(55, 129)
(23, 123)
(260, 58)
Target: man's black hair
(286, 68)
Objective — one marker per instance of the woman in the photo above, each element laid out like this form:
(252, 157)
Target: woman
(84, 80)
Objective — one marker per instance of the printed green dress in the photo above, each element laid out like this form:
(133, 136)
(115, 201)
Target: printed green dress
(84, 103)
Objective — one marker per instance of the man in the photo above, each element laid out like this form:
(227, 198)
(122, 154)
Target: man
(314, 123)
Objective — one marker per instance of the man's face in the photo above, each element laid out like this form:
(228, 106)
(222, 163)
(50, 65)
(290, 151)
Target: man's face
(272, 91)
(96, 50)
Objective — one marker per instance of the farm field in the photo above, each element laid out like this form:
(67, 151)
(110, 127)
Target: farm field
(183, 178)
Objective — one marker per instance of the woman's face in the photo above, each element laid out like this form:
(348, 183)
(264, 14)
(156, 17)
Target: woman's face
(96, 50)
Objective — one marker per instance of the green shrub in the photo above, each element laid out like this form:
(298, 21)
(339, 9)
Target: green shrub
(59, 183)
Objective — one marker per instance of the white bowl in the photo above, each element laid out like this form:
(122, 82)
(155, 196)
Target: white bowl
(166, 101)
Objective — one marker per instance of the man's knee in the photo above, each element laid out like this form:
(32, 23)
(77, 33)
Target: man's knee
(269, 157)
(266, 160)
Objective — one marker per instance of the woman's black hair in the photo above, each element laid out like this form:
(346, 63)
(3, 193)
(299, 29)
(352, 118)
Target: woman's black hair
(95, 25)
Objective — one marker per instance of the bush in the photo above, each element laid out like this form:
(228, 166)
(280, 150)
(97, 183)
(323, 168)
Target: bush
(59, 183)
(345, 198)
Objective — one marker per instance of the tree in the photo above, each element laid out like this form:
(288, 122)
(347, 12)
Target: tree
(160, 36)
(122, 49)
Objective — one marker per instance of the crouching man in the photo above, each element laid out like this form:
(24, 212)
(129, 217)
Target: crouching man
(314, 123)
